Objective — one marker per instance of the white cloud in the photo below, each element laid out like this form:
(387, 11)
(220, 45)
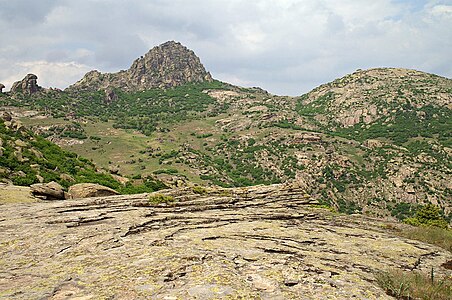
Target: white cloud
(50, 74)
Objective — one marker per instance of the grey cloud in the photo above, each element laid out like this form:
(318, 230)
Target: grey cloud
(287, 46)
(24, 12)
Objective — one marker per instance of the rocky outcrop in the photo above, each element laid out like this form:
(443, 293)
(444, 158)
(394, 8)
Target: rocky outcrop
(168, 65)
(2, 86)
(366, 96)
(85, 190)
(48, 191)
(28, 85)
(263, 242)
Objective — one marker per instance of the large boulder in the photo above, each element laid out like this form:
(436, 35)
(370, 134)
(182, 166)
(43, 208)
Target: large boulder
(28, 85)
(2, 86)
(48, 191)
(85, 190)
(5, 116)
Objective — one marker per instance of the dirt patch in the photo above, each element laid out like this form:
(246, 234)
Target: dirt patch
(447, 265)
(15, 194)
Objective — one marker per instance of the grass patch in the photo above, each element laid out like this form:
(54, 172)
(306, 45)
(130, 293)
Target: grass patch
(199, 190)
(160, 199)
(433, 235)
(414, 285)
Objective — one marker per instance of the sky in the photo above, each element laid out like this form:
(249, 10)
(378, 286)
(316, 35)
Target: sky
(287, 47)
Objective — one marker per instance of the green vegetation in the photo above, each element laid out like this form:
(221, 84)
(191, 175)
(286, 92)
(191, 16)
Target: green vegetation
(404, 124)
(161, 199)
(145, 111)
(166, 171)
(403, 210)
(149, 185)
(414, 285)
(428, 215)
(27, 156)
(318, 106)
(199, 190)
(39, 157)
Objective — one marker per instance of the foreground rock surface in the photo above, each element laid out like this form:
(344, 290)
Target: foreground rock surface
(249, 243)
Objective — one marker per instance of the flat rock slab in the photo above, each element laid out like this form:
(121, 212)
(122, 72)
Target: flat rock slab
(254, 243)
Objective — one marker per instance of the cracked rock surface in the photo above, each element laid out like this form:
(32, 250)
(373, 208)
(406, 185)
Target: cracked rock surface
(263, 242)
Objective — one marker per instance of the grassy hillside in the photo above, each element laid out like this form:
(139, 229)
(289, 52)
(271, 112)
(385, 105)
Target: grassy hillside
(27, 158)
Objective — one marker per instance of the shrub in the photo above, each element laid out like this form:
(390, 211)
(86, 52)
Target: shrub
(428, 215)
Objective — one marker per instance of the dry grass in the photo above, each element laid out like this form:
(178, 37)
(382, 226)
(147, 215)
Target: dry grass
(413, 285)
(15, 194)
(432, 235)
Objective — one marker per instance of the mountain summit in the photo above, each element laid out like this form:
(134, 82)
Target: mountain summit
(168, 65)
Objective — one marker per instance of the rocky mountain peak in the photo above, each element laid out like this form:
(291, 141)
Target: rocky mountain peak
(167, 65)
(28, 85)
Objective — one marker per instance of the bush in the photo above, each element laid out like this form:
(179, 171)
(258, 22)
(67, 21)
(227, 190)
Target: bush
(428, 215)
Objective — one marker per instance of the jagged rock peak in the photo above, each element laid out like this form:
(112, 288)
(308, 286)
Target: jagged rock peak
(28, 85)
(167, 65)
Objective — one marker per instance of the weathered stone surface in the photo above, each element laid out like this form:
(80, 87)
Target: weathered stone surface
(28, 85)
(85, 190)
(48, 191)
(168, 65)
(248, 243)
(2, 86)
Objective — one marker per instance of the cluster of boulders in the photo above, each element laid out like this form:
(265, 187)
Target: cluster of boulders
(54, 191)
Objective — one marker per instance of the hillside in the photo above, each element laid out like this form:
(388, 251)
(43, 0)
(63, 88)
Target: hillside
(376, 141)
(396, 104)
(27, 158)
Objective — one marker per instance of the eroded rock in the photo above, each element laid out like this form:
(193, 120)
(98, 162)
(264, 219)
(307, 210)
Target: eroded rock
(48, 191)
(28, 85)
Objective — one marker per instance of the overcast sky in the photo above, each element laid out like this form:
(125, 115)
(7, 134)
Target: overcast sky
(287, 47)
